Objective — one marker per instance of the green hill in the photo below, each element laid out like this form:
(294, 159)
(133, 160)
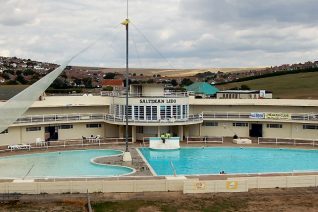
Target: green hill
(292, 86)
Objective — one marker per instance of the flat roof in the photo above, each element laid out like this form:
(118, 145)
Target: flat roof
(242, 91)
(258, 102)
(64, 101)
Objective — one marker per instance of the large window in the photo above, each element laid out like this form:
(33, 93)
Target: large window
(148, 112)
(168, 112)
(154, 113)
(162, 112)
(136, 112)
(141, 112)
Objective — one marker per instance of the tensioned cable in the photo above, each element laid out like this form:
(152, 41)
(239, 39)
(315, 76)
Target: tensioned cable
(15, 107)
(153, 46)
(136, 49)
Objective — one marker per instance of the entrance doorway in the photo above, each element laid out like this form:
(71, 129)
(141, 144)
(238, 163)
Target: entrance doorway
(256, 130)
(51, 133)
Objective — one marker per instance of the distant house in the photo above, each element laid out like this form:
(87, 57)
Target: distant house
(116, 84)
(202, 89)
(244, 94)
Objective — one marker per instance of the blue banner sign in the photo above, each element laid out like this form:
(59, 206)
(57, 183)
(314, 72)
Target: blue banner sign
(257, 115)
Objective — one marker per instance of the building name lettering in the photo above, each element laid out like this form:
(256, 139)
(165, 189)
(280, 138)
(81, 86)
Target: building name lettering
(158, 101)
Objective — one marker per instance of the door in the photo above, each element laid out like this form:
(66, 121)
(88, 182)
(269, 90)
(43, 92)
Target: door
(256, 130)
(52, 132)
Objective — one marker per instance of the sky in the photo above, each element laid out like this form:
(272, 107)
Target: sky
(163, 33)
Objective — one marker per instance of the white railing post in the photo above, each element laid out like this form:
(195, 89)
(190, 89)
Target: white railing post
(258, 140)
(276, 141)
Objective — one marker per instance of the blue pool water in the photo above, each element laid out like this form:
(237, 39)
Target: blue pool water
(60, 164)
(209, 160)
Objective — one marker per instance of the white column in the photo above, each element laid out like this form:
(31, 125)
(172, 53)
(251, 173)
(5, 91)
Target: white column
(133, 134)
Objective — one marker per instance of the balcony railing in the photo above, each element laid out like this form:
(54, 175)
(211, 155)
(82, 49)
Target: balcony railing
(101, 117)
(149, 119)
(139, 95)
(235, 115)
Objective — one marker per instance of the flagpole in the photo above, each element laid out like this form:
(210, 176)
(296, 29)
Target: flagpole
(127, 155)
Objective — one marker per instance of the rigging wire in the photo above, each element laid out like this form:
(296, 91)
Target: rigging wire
(15, 107)
(136, 49)
(153, 46)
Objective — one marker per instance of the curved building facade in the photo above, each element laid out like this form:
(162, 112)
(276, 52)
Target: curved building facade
(153, 111)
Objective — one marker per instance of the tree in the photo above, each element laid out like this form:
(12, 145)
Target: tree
(245, 87)
(109, 75)
(21, 79)
(174, 82)
(186, 82)
(134, 74)
(108, 88)
(88, 82)
(28, 72)
(59, 84)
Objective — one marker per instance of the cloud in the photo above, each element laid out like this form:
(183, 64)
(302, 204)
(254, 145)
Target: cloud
(17, 12)
(187, 33)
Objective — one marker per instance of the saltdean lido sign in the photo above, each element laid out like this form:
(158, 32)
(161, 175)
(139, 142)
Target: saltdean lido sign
(158, 101)
(276, 116)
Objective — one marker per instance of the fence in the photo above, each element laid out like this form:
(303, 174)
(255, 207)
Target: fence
(204, 139)
(288, 141)
(75, 143)
(234, 184)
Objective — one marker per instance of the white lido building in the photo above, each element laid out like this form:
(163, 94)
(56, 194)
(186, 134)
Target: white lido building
(152, 111)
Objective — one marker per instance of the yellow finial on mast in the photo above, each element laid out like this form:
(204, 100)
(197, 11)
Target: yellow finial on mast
(125, 22)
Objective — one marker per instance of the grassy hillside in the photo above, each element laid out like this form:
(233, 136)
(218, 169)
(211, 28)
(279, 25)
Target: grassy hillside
(293, 86)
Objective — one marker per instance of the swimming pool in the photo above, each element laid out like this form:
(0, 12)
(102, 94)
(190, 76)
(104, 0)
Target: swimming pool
(62, 164)
(231, 160)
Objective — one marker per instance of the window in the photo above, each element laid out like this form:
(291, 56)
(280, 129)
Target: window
(174, 111)
(93, 125)
(5, 131)
(30, 129)
(274, 126)
(210, 124)
(240, 124)
(310, 127)
(163, 112)
(141, 112)
(154, 113)
(66, 126)
(148, 112)
(169, 112)
(178, 111)
(185, 111)
(136, 112)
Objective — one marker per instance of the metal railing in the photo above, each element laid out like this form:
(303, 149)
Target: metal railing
(153, 119)
(140, 95)
(72, 143)
(237, 115)
(287, 141)
(103, 117)
(205, 139)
